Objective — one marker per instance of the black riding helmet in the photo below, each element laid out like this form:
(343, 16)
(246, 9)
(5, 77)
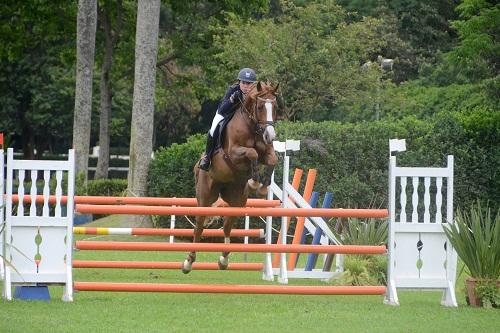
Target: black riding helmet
(247, 75)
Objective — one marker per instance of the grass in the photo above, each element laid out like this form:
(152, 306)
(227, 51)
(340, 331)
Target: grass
(155, 312)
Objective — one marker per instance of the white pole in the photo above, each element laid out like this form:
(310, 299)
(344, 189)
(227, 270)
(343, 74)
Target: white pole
(172, 226)
(245, 239)
(267, 273)
(2, 272)
(283, 277)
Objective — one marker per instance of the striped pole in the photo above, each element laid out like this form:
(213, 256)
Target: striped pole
(231, 211)
(164, 265)
(147, 201)
(230, 289)
(221, 247)
(166, 232)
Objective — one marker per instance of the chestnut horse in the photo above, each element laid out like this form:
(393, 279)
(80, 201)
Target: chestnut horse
(247, 142)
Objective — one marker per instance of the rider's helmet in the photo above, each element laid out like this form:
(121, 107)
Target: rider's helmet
(247, 75)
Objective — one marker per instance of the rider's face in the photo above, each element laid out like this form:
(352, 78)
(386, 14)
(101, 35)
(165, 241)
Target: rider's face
(245, 86)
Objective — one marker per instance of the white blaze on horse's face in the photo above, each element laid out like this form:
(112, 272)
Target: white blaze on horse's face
(269, 133)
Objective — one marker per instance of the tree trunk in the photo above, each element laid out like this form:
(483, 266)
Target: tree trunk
(141, 136)
(111, 38)
(85, 49)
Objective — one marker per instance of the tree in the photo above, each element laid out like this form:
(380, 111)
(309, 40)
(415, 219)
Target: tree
(314, 53)
(141, 136)
(85, 49)
(111, 35)
(478, 52)
(36, 74)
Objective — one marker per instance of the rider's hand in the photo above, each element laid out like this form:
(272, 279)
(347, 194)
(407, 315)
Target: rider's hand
(236, 96)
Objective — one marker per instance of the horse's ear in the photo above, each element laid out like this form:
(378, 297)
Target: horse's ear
(276, 88)
(259, 86)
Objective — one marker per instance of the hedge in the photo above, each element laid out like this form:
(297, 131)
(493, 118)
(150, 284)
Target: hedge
(352, 159)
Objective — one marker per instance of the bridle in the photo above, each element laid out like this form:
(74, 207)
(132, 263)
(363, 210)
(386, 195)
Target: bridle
(260, 125)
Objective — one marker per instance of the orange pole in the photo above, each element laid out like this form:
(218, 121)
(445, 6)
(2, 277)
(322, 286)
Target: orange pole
(221, 247)
(167, 232)
(164, 265)
(150, 201)
(231, 211)
(299, 228)
(297, 176)
(230, 289)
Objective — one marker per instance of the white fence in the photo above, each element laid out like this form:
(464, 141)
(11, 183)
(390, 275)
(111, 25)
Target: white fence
(420, 256)
(38, 238)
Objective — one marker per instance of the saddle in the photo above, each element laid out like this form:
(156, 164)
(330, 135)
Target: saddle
(219, 135)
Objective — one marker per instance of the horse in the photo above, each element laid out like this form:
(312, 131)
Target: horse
(247, 142)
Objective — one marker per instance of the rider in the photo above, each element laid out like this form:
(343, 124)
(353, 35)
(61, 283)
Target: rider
(229, 104)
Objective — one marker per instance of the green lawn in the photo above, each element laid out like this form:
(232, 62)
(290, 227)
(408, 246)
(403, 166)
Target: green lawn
(154, 312)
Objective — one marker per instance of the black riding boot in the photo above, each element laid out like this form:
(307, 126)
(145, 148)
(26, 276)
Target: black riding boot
(205, 161)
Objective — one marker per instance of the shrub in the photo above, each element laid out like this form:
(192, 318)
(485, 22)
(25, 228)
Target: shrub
(352, 158)
(107, 187)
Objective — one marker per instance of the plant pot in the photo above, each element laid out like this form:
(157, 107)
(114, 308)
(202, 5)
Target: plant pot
(472, 299)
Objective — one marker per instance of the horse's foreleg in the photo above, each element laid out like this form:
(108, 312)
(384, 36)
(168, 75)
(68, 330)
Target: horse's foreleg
(265, 178)
(191, 257)
(253, 183)
(228, 225)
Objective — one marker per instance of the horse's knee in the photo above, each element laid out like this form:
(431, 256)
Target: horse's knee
(271, 160)
(252, 154)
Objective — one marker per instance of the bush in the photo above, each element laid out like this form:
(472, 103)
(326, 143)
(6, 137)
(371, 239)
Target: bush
(352, 159)
(107, 187)
(171, 171)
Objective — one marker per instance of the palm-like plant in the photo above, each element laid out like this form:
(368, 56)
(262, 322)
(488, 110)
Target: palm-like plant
(475, 235)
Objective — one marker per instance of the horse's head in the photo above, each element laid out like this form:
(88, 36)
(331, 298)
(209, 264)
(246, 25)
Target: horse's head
(260, 104)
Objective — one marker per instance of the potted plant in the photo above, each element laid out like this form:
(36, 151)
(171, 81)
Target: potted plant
(475, 235)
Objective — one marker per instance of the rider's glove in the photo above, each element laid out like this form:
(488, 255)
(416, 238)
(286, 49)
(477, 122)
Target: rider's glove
(236, 97)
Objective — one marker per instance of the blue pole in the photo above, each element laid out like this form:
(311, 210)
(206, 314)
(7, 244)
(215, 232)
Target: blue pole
(312, 202)
(313, 257)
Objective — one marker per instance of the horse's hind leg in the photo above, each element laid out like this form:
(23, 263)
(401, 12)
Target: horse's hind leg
(236, 196)
(187, 265)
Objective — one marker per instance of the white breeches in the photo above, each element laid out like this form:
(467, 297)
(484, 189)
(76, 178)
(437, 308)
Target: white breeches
(217, 119)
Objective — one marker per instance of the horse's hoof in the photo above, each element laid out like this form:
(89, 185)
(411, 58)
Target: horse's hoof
(253, 184)
(262, 192)
(186, 267)
(223, 262)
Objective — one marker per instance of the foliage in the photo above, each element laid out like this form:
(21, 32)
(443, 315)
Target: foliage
(36, 78)
(107, 187)
(362, 232)
(359, 271)
(171, 171)
(475, 236)
(478, 29)
(352, 158)
(312, 51)
(489, 293)
(422, 100)
(363, 269)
